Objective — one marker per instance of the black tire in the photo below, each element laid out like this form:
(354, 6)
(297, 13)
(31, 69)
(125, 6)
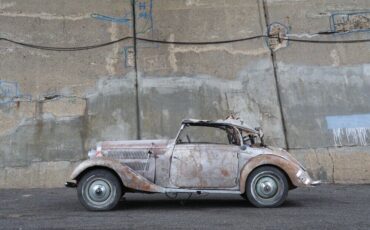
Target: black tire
(267, 187)
(99, 190)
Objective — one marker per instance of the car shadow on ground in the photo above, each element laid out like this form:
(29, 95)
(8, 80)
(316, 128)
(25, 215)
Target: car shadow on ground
(192, 204)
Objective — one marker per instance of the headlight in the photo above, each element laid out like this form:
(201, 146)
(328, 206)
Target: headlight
(91, 153)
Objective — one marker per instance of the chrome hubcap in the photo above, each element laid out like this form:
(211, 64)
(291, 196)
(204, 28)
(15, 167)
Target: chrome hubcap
(99, 191)
(266, 187)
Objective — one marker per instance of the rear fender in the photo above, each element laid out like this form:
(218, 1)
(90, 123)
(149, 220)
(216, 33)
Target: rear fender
(128, 176)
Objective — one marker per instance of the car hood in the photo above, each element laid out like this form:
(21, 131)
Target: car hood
(130, 148)
(111, 145)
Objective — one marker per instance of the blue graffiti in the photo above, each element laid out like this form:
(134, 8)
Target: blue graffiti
(8, 90)
(144, 11)
(144, 17)
(349, 22)
(143, 14)
(145, 22)
(125, 20)
(142, 5)
(348, 121)
(9, 93)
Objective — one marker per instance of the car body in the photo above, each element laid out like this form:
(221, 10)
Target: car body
(222, 156)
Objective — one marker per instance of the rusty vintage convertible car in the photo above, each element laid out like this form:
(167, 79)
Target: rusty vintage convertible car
(223, 156)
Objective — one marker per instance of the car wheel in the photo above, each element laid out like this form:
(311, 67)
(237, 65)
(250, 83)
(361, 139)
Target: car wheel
(267, 187)
(99, 190)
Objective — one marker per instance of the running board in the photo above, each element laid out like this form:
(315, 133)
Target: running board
(70, 184)
(178, 190)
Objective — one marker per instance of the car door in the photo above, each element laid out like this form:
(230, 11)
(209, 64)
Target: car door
(204, 158)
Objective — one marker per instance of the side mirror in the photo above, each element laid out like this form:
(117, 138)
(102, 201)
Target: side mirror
(243, 147)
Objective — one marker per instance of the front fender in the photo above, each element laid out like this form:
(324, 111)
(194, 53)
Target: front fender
(288, 166)
(128, 176)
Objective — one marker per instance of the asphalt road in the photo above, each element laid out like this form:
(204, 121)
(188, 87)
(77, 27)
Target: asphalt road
(323, 207)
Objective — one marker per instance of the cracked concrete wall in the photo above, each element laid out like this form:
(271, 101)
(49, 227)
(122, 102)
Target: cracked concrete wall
(212, 81)
(54, 106)
(325, 87)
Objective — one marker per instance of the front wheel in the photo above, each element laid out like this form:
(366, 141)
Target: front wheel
(267, 187)
(99, 190)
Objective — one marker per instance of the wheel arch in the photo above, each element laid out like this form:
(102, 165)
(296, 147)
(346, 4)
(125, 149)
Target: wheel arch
(287, 167)
(290, 183)
(86, 170)
(128, 177)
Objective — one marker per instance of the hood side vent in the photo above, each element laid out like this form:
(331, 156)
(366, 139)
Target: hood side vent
(138, 166)
(128, 154)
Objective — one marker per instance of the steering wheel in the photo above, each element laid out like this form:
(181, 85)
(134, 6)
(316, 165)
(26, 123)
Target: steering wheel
(188, 138)
(246, 139)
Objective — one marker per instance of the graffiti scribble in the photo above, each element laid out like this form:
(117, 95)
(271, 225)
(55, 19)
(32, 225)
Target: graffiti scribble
(125, 20)
(350, 22)
(9, 93)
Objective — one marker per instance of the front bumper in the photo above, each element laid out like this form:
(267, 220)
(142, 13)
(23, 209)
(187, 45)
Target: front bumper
(316, 183)
(305, 179)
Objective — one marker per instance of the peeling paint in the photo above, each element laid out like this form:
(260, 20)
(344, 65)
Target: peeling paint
(11, 50)
(5, 5)
(335, 57)
(6, 50)
(227, 48)
(303, 35)
(366, 69)
(113, 58)
(173, 50)
(194, 3)
(172, 57)
(120, 127)
(45, 16)
(272, 1)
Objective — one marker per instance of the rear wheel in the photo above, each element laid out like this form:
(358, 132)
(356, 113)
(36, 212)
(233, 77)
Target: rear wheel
(267, 187)
(99, 189)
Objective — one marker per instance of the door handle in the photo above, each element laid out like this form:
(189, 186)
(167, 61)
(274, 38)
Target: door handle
(176, 158)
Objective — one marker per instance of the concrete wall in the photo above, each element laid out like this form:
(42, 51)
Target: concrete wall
(310, 98)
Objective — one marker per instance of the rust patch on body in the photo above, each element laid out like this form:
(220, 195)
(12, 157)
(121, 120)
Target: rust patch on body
(225, 173)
